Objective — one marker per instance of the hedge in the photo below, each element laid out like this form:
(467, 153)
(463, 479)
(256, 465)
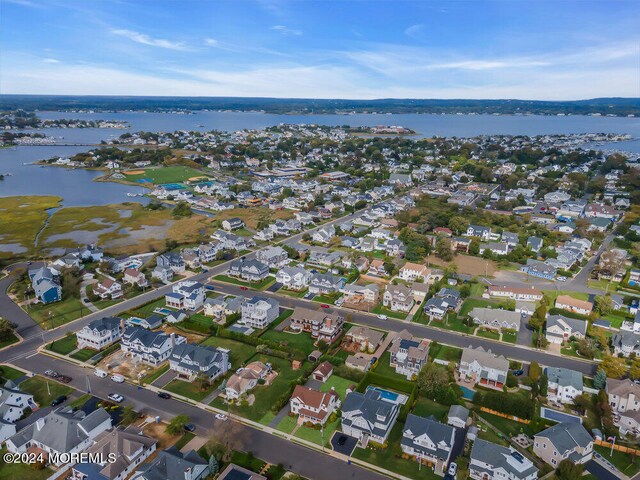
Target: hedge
(395, 384)
(566, 313)
(255, 341)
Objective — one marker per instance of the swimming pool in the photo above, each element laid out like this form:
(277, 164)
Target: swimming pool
(162, 311)
(467, 393)
(389, 396)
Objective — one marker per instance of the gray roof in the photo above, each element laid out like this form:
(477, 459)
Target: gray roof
(196, 357)
(497, 456)
(171, 464)
(575, 324)
(104, 324)
(458, 411)
(442, 436)
(369, 406)
(564, 377)
(567, 436)
(61, 431)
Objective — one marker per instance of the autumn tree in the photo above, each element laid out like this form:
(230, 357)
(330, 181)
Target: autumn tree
(176, 425)
(613, 366)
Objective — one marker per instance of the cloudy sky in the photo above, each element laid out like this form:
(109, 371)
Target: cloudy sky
(322, 49)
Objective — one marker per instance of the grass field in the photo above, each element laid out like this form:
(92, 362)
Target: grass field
(9, 341)
(315, 436)
(380, 310)
(15, 471)
(173, 174)
(451, 322)
(338, 383)
(491, 334)
(627, 464)
(147, 310)
(186, 438)
(509, 337)
(383, 367)
(10, 373)
(20, 220)
(55, 314)
(299, 341)
(257, 285)
(239, 352)
(445, 352)
(553, 294)
(63, 346)
(425, 407)
(84, 354)
(187, 389)
(37, 386)
(287, 424)
(153, 376)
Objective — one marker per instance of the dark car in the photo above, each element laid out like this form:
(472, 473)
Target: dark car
(190, 427)
(244, 288)
(517, 373)
(342, 439)
(324, 305)
(63, 378)
(210, 287)
(57, 401)
(164, 395)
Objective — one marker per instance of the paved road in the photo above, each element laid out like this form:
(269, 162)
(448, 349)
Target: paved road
(442, 336)
(273, 449)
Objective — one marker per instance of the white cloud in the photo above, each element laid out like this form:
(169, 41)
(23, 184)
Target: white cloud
(414, 31)
(284, 30)
(211, 42)
(147, 40)
(50, 60)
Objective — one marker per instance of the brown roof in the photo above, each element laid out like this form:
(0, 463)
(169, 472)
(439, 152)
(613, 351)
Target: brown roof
(518, 290)
(622, 388)
(313, 398)
(573, 302)
(325, 369)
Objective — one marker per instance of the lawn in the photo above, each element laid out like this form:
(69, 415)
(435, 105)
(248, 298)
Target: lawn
(239, 352)
(64, 346)
(37, 386)
(173, 174)
(265, 395)
(509, 337)
(425, 407)
(84, 354)
(147, 310)
(188, 389)
(9, 341)
(391, 457)
(445, 352)
(506, 426)
(553, 294)
(299, 341)
(627, 464)
(292, 293)
(153, 376)
(53, 315)
(80, 401)
(471, 303)
(491, 334)
(330, 299)
(287, 424)
(451, 322)
(315, 436)
(380, 310)
(491, 436)
(10, 373)
(257, 285)
(616, 319)
(338, 383)
(186, 438)
(13, 471)
(571, 351)
(384, 368)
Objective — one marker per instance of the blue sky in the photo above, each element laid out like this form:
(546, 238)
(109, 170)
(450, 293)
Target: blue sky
(324, 49)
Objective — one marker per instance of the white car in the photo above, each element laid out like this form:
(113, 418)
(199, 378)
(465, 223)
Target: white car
(117, 378)
(221, 417)
(382, 317)
(453, 468)
(562, 279)
(114, 397)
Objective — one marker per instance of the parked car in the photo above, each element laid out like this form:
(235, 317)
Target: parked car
(221, 417)
(517, 373)
(51, 373)
(58, 400)
(209, 287)
(117, 378)
(63, 378)
(324, 305)
(114, 397)
(100, 373)
(342, 439)
(382, 317)
(244, 288)
(190, 427)
(453, 468)
(164, 395)
(561, 279)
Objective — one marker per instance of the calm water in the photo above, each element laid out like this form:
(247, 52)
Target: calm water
(77, 188)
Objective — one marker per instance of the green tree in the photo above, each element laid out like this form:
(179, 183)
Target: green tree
(603, 304)
(568, 470)
(544, 384)
(613, 366)
(634, 370)
(443, 249)
(176, 425)
(182, 209)
(129, 415)
(600, 379)
(6, 329)
(534, 372)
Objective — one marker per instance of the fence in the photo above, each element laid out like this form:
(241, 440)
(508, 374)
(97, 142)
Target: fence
(620, 448)
(503, 415)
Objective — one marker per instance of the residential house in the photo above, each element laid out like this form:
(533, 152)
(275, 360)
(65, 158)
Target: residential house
(395, 248)
(560, 328)
(564, 384)
(366, 337)
(100, 333)
(539, 269)
(274, 257)
(190, 361)
(258, 312)
(323, 372)
(458, 416)
(624, 398)
(443, 301)
(172, 464)
(408, 354)
(325, 283)
(133, 276)
(625, 343)
(480, 366)
(496, 318)
(251, 270)
(361, 294)
(367, 417)
(231, 224)
(46, 284)
(528, 294)
(324, 234)
(398, 298)
(484, 233)
(414, 271)
(13, 403)
(535, 244)
(221, 307)
(245, 379)
(322, 325)
(490, 461)
(510, 238)
(564, 441)
(130, 449)
(312, 405)
(108, 288)
(428, 441)
(187, 294)
(171, 260)
(565, 302)
(60, 433)
(294, 278)
(147, 346)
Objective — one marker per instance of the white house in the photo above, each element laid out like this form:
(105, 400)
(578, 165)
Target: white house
(149, 347)
(259, 312)
(100, 333)
(313, 405)
(564, 384)
(187, 294)
(483, 367)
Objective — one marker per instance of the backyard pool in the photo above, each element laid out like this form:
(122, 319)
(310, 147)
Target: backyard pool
(389, 396)
(467, 393)
(162, 311)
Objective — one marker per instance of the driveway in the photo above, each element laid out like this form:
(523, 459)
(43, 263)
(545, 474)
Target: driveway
(525, 336)
(599, 471)
(347, 447)
(275, 287)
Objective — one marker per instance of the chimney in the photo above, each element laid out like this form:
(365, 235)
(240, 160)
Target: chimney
(122, 324)
(172, 337)
(187, 474)
(40, 423)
